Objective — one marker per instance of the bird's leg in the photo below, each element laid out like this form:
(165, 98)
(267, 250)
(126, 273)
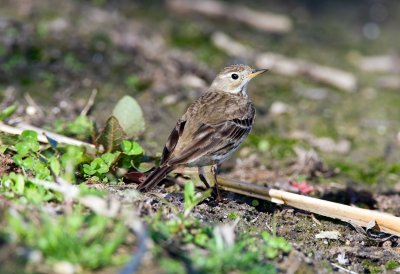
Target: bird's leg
(202, 177)
(214, 171)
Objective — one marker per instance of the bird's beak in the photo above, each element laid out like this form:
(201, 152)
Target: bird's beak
(256, 72)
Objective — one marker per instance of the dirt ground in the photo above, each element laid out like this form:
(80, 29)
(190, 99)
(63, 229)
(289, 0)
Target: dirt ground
(353, 249)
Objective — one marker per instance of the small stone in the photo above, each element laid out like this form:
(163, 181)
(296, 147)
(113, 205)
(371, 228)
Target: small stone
(397, 187)
(64, 268)
(193, 81)
(31, 110)
(341, 258)
(332, 235)
(387, 244)
(63, 104)
(171, 99)
(58, 25)
(55, 110)
(86, 82)
(35, 257)
(279, 108)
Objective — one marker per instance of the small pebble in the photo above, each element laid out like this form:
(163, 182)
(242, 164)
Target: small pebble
(35, 256)
(64, 268)
(86, 82)
(30, 110)
(387, 244)
(278, 108)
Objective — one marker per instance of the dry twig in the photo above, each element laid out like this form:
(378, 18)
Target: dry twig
(385, 222)
(353, 215)
(43, 134)
(90, 103)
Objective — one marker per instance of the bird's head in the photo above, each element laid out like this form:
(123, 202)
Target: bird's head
(234, 79)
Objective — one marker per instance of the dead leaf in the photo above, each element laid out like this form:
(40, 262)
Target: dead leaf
(135, 177)
(112, 135)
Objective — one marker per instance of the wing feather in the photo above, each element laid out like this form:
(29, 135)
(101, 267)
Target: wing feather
(212, 139)
(172, 140)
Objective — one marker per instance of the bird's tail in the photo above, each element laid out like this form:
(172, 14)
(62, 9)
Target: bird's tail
(155, 177)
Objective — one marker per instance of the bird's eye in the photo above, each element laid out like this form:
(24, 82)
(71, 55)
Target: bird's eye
(235, 76)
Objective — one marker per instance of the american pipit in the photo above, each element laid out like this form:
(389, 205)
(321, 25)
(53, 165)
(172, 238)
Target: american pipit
(212, 128)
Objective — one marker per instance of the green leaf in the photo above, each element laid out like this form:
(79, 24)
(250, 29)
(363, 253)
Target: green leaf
(255, 203)
(17, 159)
(28, 162)
(97, 166)
(70, 159)
(201, 239)
(131, 148)
(82, 127)
(27, 142)
(55, 165)
(7, 112)
(22, 148)
(191, 199)
(3, 148)
(271, 252)
(41, 171)
(29, 136)
(189, 195)
(130, 116)
(88, 170)
(132, 81)
(19, 182)
(109, 158)
(72, 156)
(112, 135)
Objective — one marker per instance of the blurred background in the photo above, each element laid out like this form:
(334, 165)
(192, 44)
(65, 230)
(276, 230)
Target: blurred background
(331, 98)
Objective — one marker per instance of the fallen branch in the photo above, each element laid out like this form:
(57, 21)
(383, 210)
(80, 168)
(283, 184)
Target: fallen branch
(283, 65)
(354, 215)
(359, 216)
(264, 21)
(43, 134)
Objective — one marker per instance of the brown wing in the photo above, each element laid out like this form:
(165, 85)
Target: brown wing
(172, 140)
(214, 139)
